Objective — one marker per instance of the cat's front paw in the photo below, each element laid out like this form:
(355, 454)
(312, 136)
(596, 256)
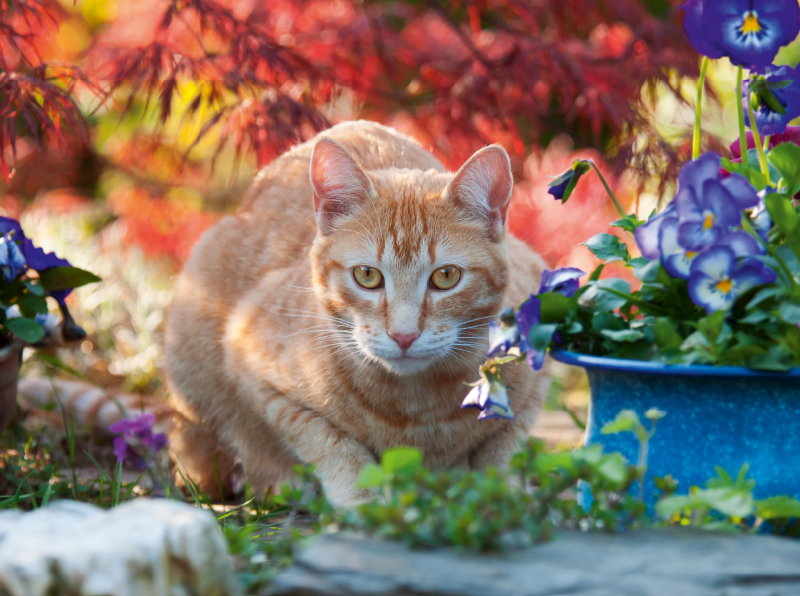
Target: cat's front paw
(342, 496)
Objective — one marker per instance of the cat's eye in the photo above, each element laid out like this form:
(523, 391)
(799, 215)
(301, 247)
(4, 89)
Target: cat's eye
(445, 278)
(368, 277)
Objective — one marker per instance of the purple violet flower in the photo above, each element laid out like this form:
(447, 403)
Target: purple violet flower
(748, 32)
(137, 443)
(12, 261)
(564, 281)
(491, 397)
(528, 315)
(708, 206)
(717, 280)
(502, 338)
(769, 121)
(647, 235)
(561, 188)
(676, 260)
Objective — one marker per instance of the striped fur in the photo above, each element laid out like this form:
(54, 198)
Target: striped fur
(276, 356)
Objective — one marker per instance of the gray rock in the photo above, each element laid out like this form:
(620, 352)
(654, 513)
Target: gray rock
(142, 548)
(668, 562)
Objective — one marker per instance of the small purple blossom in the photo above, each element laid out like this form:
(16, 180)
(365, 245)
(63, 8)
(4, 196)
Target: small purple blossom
(717, 280)
(564, 281)
(137, 442)
(12, 261)
(491, 397)
(769, 120)
(504, 336)
(561, 188)
(676, 260)
(647, 235)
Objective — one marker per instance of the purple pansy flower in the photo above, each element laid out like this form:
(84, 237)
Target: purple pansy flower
(137, 443)
(491, 397)
(693, 26)
(564, 281)
(707, 205)
(748, 32)
(647, 235)
(502, 338)
(561, 188)
(677, 260)
(768, 120)
(717, 280)
(12, 261)
(528, 315)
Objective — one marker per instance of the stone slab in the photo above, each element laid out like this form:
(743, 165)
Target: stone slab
(664, 562)
(146, 547)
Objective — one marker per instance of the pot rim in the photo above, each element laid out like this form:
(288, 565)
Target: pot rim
(659, 368)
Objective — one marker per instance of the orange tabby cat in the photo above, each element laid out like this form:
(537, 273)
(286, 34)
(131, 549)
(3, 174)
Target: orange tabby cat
(328, 339)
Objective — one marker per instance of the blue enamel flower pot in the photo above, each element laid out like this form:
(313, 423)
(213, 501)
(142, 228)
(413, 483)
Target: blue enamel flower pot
(716, 416)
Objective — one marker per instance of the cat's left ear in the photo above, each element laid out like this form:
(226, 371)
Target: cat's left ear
(483, 186)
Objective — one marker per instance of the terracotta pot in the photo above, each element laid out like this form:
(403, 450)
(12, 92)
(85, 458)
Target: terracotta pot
(9, 373)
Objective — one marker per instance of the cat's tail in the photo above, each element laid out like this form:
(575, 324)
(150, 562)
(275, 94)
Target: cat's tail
(90, 407)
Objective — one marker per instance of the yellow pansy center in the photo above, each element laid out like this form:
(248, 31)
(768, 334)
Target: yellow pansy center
(708, 221)
(690, 254)
(750, 23)
(724, 286)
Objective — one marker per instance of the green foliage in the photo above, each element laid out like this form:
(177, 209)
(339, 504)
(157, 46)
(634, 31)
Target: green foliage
(608, 248)
(728, 504)
(494, 510)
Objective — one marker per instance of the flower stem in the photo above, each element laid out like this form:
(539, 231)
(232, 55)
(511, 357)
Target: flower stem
(608, 189)
(700, 84)
(740, 112)
(762, 159)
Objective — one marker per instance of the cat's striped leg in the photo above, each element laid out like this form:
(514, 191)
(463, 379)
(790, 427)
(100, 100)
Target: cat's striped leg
(338, 457)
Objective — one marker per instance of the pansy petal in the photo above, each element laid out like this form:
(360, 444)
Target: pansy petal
(743, 193)
(697, 171)
(717, 198)
(534, 359)
(679, 264)
(39, 259)
(750, 275)
(717, 263)
(528, 315)
(692, 24)
(688, 205)
(564, 280)
(704, 291)
(496, 413)
(473, 399)
(693, 236)
(741, 243)
(646, 235)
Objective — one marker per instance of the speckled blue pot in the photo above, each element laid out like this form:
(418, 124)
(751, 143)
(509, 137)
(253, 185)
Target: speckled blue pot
(716, 416)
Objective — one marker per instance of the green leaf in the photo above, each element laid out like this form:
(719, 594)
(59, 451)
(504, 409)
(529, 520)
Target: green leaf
(786, 159)
(554, 307)
(607, 247)
(668, 507)
(778, 507)
(646, 271)
(26, 329)
(613, 468)
(65, 278)
(550, 462)
(33, 288)
(31, 305)
(765, 294)
(540, 336)
(597, 299)
(607, 320)
(627, 421)
(371, 476)
(733, 502)
(401, 459)
(629, 223)
(782, 212)
(789, 312)
(665, 334)
(623, 335)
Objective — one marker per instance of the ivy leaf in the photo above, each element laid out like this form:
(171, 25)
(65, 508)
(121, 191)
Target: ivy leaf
(26, 329)
(607, 247)
(65, 278)
(613, 468)
(401, 459)
(665, 334)
(540, 336)
(789, 312)
(33, 288)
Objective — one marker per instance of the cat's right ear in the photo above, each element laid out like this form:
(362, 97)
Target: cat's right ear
(340, 184)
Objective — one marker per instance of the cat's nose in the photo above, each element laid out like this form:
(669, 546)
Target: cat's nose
(404, 340)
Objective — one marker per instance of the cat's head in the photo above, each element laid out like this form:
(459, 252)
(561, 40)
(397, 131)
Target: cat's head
(412, 264)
